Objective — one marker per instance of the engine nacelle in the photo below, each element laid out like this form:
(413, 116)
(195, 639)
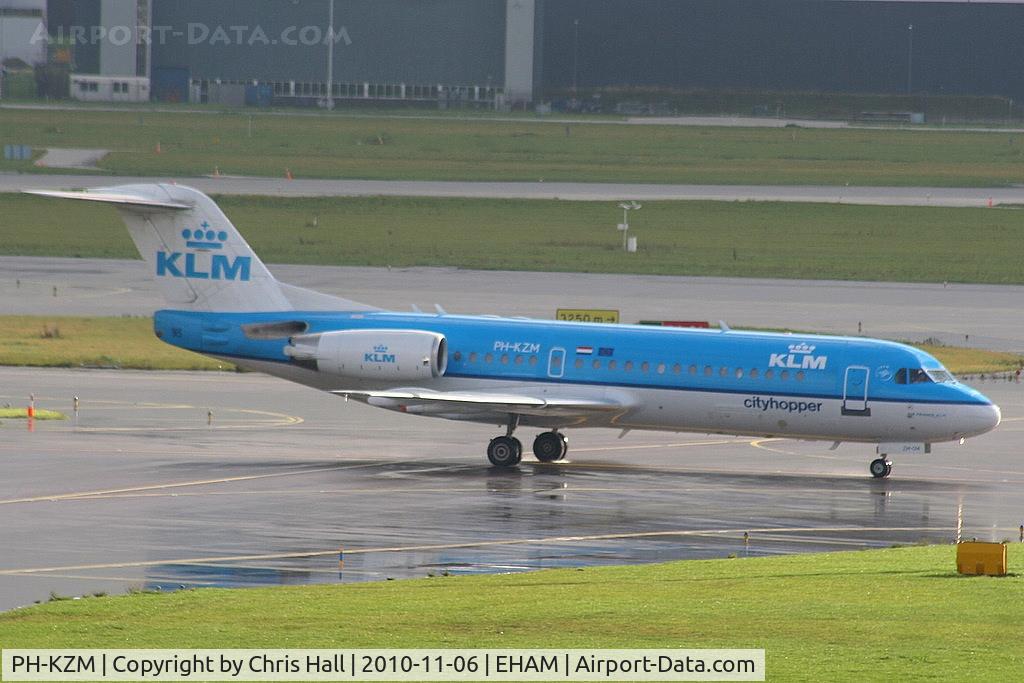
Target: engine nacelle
(373, 354)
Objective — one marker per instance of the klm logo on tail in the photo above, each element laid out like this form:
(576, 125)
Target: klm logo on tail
(195, 266)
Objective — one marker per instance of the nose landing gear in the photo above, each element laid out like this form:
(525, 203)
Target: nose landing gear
(880, 468)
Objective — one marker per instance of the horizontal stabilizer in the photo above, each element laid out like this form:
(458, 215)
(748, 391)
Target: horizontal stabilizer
(124, 199)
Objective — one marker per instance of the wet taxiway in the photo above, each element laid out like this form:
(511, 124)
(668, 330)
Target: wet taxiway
(143, 489)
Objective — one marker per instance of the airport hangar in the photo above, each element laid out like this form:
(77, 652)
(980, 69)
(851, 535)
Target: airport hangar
(512, 53)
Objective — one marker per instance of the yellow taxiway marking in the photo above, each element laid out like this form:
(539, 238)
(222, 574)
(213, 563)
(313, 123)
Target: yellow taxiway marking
(471, 544)
(640, 447)
(760, 443)
(273, 419)
(76, 495)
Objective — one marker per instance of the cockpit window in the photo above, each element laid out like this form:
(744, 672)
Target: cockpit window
(914, 376)
(941, 377)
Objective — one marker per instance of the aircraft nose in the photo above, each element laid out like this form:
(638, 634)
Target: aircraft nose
(995, 417)
(985, 418)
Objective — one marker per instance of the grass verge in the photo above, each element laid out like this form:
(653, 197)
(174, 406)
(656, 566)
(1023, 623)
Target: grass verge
(961, 361)
(427, 149)
(773, 240)
(126, 343)
(895, 614)
(22, 414)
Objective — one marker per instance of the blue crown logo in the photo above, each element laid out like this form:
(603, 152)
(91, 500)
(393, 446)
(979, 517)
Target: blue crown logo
(380, 348)
(204, 237)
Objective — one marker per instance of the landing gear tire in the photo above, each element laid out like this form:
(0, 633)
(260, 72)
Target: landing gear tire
(505, 451)
(881, 468)
(550, 447)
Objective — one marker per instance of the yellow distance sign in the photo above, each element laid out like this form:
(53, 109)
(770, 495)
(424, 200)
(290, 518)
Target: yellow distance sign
(587, 315)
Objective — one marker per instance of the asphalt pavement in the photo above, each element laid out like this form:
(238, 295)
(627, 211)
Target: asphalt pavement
(589, 192)
(170, 480)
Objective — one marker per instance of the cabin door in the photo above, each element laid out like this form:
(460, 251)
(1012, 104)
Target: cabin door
(855, 391)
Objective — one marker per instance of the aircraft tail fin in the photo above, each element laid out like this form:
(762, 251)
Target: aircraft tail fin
(196, 255)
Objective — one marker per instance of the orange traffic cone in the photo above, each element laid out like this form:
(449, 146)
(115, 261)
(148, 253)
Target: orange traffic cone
(159, 150)
(288, 174)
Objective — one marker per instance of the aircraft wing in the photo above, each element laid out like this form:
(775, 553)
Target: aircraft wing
(476, 402)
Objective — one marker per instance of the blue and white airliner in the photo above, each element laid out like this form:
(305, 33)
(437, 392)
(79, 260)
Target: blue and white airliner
(536, 374)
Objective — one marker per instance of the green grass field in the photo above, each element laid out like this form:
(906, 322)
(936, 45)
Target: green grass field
(776, 240)
(129, 343)
(411, 148)
(897, 614)
(22, 414)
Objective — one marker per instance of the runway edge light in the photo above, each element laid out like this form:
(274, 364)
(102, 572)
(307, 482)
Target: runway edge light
(981, 559)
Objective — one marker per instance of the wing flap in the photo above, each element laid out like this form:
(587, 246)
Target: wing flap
(468, 402)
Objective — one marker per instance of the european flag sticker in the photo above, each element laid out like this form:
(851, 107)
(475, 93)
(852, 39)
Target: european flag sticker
(605, 351)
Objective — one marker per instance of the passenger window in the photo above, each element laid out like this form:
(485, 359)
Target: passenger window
(645, 367)
(489, 358)
(519, 360)
(739, 373)
(723, 372)
(753, 373)
(533, 361)
(457, 357)
(504, 359)
(612, 365)
(769, 374)
(579, 363)
(629, 365)
(784, 376)
(472, 357)
(708, 371)
(661, 368)
(693, 369)
(677, 368)
(800, 376)
(597, 365)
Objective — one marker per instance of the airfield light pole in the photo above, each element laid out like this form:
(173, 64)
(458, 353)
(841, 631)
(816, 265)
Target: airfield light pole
(330, 58)
(575, 55)
(624, 225)
(910, 58)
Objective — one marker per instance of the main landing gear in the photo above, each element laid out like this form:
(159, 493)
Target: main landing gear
(550, 446)
(880, 468)
(507, 451)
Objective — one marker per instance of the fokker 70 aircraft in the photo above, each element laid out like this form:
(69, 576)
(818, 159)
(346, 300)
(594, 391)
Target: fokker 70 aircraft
(516, 373)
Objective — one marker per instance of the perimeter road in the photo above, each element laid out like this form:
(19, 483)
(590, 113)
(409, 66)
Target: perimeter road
(584, 192)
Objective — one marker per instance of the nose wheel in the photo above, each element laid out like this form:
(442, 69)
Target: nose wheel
(880, 468)
(550, 446)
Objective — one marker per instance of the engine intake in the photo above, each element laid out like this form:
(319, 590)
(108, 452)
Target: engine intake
(373, 354)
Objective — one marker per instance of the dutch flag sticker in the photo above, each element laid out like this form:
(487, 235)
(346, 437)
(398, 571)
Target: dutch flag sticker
(584, 350)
